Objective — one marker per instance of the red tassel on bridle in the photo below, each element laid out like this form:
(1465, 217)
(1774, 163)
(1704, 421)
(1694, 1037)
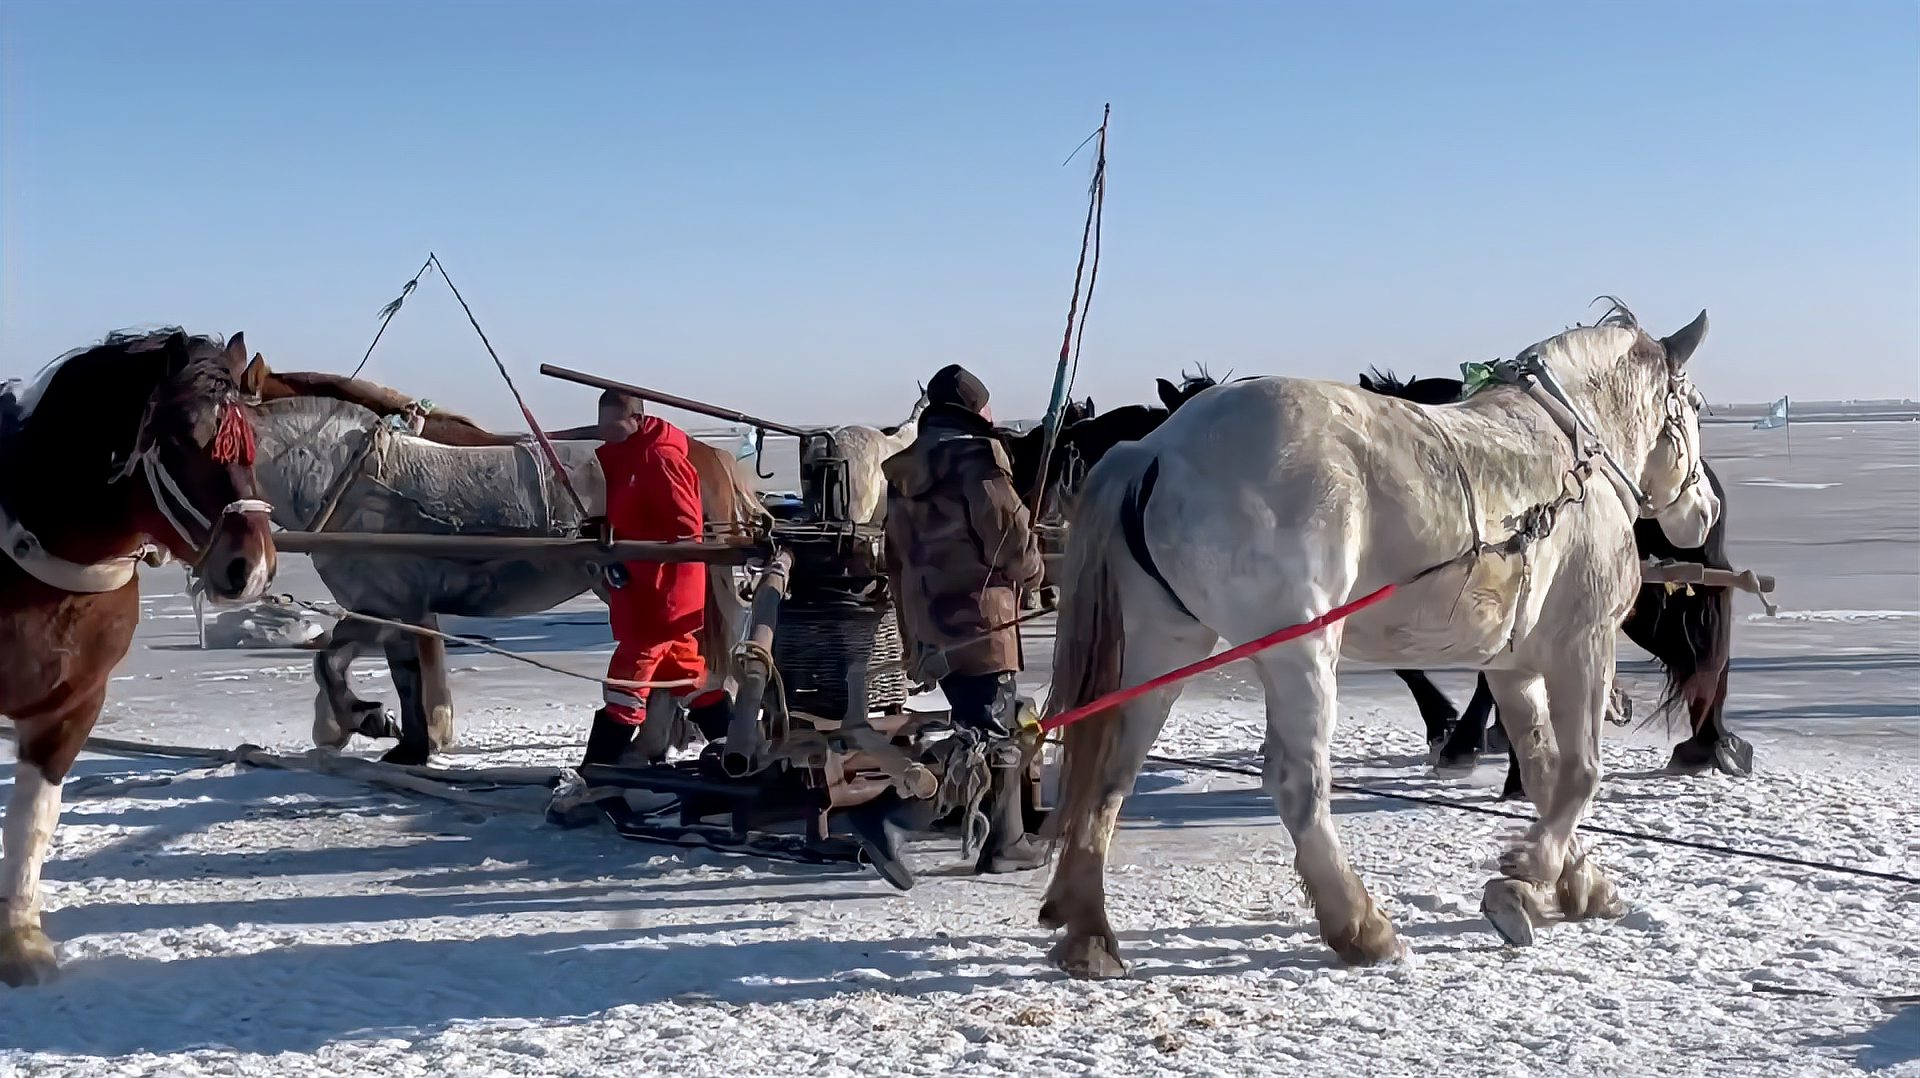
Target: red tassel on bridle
(234, 442)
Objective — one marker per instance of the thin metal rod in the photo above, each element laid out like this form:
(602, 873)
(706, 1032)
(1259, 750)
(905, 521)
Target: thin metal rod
(587, 551)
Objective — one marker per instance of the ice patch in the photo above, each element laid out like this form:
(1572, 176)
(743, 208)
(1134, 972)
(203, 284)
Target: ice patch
(1841, 616)
(1784, 484)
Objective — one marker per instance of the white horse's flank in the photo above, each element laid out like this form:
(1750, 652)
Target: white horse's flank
(1264, 503)
(865, 450)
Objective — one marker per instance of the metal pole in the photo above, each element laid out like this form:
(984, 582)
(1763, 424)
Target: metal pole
(753, 658)
(586, 551)
(671, 400)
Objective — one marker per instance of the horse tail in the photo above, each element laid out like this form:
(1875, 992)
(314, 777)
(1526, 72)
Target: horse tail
(1090, 636)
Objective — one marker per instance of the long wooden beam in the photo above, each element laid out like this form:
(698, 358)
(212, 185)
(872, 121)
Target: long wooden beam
(730, 552)
(671, 400)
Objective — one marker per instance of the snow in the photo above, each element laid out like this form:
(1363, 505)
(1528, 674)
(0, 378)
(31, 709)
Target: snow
(224, 920)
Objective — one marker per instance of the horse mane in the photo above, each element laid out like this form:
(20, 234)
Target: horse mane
(1384, 382)
(121, 344)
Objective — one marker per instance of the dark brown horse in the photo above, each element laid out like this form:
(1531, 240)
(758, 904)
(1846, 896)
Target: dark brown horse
(142, 438)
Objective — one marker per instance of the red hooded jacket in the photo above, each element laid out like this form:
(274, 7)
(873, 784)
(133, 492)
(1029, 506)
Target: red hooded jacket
(653, 493)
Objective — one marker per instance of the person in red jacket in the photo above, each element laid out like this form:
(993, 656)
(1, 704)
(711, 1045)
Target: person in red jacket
(656, 609)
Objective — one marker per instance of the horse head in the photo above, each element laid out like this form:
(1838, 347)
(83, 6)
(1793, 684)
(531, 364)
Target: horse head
(194, 448)
(1672, 477)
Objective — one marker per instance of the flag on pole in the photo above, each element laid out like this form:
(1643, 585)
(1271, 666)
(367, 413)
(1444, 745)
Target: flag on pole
(1777, 416)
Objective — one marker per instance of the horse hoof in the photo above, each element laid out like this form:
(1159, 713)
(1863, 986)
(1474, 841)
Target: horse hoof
(1456, 765)
(1508, 907)
(1585, 894)
(376, 722)
(1368, 943)
(26, 957)
(1690, 759)
(1090, 958)
(439, 728)
(408, 755)
(1733, 756)
(1513, 792)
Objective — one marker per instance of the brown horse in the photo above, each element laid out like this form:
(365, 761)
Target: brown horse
(140, 438)
(728, 501)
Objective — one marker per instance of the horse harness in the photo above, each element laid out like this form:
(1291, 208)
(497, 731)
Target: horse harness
(1531, 374)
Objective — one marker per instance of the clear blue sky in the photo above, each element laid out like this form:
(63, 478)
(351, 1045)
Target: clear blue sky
(802, 208)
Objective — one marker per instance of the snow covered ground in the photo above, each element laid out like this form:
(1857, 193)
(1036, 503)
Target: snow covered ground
(234, 921)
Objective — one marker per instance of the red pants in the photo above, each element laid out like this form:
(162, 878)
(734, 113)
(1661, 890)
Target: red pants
(670, 661)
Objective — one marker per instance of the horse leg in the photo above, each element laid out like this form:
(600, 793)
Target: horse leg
(1515, 789)
(1732, 754)
(403, 662)
(48, 746)
(1578, 691)
(1111, 756)
(436, 696)
(1301, 708)
(337, 713)
(1710, 746)
(1514, 906)
(1436, 711)
(1461, 754)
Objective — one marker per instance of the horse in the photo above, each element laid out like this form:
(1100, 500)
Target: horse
(727, 502)
(139, 439)
(1690, 633)
(865, 449)
(1086, 441)
(1270, 502)
(1024, 447)
(324, 456)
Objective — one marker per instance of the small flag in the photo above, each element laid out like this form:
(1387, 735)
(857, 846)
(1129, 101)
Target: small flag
(1776, 416)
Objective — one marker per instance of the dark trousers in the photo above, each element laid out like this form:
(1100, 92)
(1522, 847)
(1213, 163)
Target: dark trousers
(983, 704)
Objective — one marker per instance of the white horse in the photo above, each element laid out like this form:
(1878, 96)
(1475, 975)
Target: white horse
(865, 450)
(1507, 528)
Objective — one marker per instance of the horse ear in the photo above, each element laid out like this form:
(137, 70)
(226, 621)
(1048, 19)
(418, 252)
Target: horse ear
(1169, 394)
(1680, 346)
(253, 380)
(178, 352)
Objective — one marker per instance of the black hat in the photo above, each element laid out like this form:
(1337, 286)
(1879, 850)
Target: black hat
(954, 384)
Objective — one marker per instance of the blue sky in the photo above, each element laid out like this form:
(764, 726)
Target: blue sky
(800, 209)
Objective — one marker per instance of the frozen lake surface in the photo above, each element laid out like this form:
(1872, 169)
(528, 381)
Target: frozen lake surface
(225, 920)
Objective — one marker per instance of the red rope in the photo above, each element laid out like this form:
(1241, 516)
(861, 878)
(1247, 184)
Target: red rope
(233, 443)
(1214, 662)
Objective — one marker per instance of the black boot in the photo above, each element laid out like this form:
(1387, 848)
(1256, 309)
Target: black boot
(609, 739)
(1008, 847)
(879, 825)
(711, 713)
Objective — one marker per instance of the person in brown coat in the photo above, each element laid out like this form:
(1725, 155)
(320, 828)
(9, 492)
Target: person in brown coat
(960, 548)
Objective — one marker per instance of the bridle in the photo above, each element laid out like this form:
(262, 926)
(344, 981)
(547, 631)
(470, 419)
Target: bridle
(232, 444)
(1531, 374)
